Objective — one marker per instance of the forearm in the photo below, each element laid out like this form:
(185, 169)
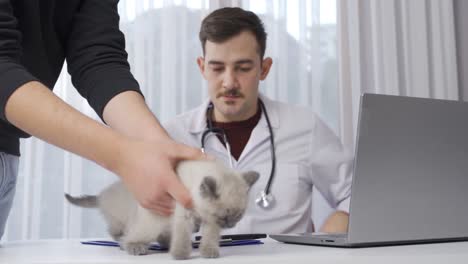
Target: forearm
(337, 222)
(36, 110)
(138, 123)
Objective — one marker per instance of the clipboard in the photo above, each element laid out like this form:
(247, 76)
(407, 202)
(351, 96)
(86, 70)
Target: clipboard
(225, 241)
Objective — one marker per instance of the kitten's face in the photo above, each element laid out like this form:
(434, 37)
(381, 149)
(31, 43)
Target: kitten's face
(226, 199)
(229, 217)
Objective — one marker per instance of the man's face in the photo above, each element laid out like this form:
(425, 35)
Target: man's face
(233, 70)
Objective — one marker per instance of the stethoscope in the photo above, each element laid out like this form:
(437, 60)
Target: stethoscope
(265, 198)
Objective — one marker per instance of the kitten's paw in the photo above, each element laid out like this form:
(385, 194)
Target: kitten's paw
(180, 254)
(116, 234)
(116, 237)
(209, 252)
(164, 240)
(136, 249)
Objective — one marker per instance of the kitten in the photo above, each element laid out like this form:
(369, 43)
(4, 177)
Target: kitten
(219, 197)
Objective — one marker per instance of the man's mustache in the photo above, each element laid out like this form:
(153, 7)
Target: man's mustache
(232, 92)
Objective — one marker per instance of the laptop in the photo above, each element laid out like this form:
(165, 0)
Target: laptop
(410, 181)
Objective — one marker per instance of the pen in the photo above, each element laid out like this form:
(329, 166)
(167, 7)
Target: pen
(234, 237)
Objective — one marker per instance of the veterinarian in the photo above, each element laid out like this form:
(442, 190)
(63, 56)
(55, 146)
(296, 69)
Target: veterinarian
(290, 146)
(36, 36)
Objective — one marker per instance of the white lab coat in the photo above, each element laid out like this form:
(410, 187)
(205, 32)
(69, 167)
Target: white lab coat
(308, 153)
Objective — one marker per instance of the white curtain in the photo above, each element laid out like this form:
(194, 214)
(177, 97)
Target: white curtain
(162, 42)
(396, 47)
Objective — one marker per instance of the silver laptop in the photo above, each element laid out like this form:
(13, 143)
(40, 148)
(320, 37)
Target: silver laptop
(410, 181)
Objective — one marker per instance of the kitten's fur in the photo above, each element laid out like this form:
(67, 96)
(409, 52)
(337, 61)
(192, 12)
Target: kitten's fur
(219, 197)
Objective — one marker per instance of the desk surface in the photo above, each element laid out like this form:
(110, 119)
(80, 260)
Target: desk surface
(71, 251)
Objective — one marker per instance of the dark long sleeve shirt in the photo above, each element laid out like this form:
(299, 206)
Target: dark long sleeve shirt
(36, 36)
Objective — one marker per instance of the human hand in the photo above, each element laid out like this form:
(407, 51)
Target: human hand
(147, 168)
(337, 222)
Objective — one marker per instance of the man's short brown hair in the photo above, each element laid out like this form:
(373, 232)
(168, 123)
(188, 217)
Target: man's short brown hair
(225, 23)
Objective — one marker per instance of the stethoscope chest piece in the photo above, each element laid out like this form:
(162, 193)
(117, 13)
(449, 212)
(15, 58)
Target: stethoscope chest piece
(264, 200)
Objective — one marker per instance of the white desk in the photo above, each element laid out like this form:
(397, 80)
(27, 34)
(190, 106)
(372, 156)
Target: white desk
(71, 251)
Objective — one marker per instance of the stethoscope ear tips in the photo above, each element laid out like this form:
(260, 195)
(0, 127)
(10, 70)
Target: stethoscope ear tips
(264, 200)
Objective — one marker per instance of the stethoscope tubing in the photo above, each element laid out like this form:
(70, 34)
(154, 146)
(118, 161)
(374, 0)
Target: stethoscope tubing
(266, 193)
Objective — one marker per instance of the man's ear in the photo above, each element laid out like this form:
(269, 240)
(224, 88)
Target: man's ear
(201, 65)
(266, 66)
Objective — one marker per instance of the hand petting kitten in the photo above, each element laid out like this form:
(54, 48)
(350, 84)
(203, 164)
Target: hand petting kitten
(219, 196)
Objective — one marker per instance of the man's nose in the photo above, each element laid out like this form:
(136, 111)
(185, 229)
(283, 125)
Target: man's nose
(230, 80)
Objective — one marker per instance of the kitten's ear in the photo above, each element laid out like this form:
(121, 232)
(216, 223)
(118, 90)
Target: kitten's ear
(208, 188)
(250, 177)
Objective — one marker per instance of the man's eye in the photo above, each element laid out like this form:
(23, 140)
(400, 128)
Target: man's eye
(217, 69)
(245, 69)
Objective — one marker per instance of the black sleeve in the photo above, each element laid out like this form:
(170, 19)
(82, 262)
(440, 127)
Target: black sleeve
(12, 73)
(96, 56)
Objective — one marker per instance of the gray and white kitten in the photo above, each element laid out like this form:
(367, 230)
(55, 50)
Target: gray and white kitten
(219, 197)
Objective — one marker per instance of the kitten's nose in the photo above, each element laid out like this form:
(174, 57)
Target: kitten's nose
(230, 224)
(225, 223)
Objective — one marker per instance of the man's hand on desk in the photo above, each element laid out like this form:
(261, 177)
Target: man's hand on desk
(337, 222)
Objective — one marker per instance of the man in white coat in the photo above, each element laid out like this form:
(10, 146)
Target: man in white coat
(307, 152)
